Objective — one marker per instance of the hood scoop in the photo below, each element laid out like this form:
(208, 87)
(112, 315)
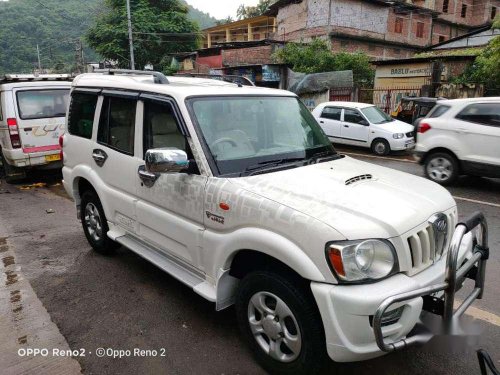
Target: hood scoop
(362, 177)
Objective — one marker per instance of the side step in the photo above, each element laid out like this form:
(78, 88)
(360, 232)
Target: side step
(185, 274)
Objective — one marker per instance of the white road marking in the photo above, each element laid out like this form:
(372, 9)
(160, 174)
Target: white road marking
(378, 157)
(476, 201)
(481, 314)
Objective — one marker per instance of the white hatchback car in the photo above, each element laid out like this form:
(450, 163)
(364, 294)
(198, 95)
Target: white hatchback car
(460, 136)
(365, 125)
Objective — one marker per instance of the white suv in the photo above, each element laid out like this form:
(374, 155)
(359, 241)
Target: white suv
(460, 136)
(237, 192)
(32, 118)
(364, 125)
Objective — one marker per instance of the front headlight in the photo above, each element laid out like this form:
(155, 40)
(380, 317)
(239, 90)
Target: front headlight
(362, 261)
(398, 135)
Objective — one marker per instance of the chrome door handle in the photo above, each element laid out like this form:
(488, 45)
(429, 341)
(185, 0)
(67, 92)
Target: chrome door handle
(146, 177)
(99, 156)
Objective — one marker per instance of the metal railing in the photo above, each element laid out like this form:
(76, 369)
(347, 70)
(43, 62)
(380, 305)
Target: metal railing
(474, 268)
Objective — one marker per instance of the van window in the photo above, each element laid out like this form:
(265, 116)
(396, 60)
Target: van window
(36, 104)
(117, 124)
(331, 113)
(81, 114)
(482, 113)
(161, 128)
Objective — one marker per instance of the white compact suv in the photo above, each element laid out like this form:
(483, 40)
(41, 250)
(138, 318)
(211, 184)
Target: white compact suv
(364, 125)
(238, 193)
(32, 118)
(460, 136)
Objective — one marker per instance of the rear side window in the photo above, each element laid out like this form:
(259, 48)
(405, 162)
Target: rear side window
(117, 124)
(81, 115)
(36, 104)
(439, 111)
(331, 113)
(482, 113)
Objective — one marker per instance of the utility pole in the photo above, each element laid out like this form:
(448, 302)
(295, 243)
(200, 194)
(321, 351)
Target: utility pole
(131, 41)
(79, 56)
(39, 62)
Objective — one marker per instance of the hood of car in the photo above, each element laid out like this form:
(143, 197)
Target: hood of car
(396, 126)
(358, 199)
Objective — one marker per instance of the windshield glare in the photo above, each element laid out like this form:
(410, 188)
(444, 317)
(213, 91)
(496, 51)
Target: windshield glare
(376, 116)
(242, 132)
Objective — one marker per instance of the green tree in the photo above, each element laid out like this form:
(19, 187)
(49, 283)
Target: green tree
(255, 11)
(316, 57)
(486, 67)
(161, 27)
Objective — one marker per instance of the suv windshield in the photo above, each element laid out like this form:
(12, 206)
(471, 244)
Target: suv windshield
(376, 116)
(248, 134)
(36, 104)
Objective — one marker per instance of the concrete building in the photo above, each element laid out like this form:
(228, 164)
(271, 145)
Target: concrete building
(383, 29)
(247, 30)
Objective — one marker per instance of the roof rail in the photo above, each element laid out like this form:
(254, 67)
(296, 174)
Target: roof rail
(35, 77)
(159, 77)
(239, 80)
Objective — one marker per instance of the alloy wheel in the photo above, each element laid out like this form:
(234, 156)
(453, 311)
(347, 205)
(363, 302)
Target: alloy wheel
(274, 327)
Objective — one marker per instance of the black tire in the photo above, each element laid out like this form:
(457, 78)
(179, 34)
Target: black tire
(299, 300)
(442, 168)
(10, 173)
(381, 147)
(102, 243)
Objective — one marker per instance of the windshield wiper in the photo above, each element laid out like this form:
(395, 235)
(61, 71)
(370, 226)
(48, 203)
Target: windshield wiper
(324, 156)
(271, 163)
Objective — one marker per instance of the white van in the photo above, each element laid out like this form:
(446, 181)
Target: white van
(364, 125)
(32, 118)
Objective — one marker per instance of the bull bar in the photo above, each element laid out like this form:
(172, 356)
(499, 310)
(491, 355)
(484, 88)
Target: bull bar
(474, 268)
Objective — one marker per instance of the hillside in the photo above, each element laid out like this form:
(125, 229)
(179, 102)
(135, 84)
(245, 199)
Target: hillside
(56, 26)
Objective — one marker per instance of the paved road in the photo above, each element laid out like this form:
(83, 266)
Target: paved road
(123, 302)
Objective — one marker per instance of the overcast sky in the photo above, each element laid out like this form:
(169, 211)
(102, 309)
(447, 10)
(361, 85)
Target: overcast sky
(220, 8)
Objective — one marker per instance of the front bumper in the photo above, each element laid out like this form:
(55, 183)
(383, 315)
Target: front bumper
(402, 144)
(352, 314)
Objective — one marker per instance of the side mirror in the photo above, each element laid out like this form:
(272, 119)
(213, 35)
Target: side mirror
(364, 122)
(166, 160)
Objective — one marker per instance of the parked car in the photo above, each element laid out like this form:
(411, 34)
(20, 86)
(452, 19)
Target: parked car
(32, 118)
(364, 125)
(460, 136)
(411, 108)
(238, 193)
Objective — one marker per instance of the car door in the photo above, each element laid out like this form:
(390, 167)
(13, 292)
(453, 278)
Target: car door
(170, 212)
(116, 157)
(478, 125)
(355, 128)
(330, 121)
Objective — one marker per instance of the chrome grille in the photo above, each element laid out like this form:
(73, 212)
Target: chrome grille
(422, 245)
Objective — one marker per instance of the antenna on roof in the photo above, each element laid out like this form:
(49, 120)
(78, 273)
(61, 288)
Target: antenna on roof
(160, 78)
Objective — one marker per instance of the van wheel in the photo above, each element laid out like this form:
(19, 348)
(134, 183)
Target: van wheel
(11, 174)
(442, 168)
(95, 225)
(381, 147)
(281, 323)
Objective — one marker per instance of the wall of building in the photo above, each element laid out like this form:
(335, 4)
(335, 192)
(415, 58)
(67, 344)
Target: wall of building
(375, 51)
(358, 16)
(247, 56)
